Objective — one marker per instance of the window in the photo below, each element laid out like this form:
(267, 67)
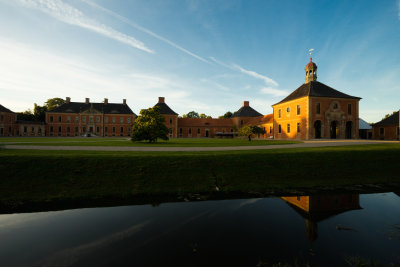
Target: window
(335, 105)
(33, 129)
(198, 130)
(288, 128)
(180, 130)
(68, 118)
(51, 119)
(105, 119)
(270, 129)
(298, 127)
(113, 119)
(40, 129)
(106, 130)
(1, 117)
(190, 130)
(113, 129)
(121, 120)
(241, 122)
(97, 129)
(59, 118)
(279, 113)
(83, 129)
(279, 128)
(76, 129)
(288, 109)
(76, 119)
(349, 108)
(129, 120)
(84, 119)
(51, 129)
(91, 119)
(98, 119)
(68, 130)
(25, 129)
(381, 131)
(170, 120)
(121, 130)
(318, 109)
(298, 109)
(59, 129)
(170, 130)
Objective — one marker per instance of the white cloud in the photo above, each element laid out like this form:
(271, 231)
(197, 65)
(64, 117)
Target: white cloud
(273, 91)
(140, 28)
(256, 75)
(71, 15)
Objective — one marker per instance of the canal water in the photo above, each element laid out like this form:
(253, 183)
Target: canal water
(325, 230)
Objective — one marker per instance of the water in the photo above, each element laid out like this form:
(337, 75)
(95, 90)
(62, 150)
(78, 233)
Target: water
(319, 230)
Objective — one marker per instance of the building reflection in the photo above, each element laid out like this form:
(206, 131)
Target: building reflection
(315, 209)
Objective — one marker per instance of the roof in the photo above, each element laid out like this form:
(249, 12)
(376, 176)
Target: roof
(363, 125)
(165, 109)
(246, 111)
(4, 109)
(261, 120)
(317, 89)
(311, 65)
(109, 108)
(389, 121)
(197, 122)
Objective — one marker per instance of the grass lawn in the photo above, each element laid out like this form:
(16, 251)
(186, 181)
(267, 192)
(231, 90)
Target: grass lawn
(32, 176)
(173, 142)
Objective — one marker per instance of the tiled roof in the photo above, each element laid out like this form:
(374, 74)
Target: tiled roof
(317, 89)
(196, 122)
(261, 120)
(165, 109)
(246, 111)
(392, 120)
(30, 122)
(109, 108)
(4, 109)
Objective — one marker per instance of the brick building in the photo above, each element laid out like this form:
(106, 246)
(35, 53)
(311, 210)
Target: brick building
(170, 116)
(7, 121)
(86, 118)
(315, 110)
(388, 128)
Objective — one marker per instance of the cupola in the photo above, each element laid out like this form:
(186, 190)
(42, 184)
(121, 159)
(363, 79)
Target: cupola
(311, 71)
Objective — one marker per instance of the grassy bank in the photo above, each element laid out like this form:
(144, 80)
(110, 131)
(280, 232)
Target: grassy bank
(29, 176)
(173, 142)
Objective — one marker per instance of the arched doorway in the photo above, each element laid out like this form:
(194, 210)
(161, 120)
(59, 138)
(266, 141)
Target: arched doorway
(349, 129)
(317, 129)
(334, 129)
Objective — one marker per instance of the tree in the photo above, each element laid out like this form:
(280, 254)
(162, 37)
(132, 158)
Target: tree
(227, 115)
(248, 130)
(53, 103)
(149, 125)
(204, 116)
(39, 112)
(191, 114)
(27, 115)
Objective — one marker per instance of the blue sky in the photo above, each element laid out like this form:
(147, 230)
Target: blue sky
(206, 56)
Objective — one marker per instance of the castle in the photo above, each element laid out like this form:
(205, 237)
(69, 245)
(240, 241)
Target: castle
(313, 110)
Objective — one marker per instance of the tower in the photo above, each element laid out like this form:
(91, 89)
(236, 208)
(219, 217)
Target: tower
(311, 70)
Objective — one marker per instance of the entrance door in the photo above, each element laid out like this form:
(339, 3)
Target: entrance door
(207, 133)
(349, 126)
(90, 129)
(317, 129)
(334, 129)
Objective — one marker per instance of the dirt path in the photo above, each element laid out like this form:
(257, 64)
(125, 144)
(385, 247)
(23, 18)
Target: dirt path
(312, 143)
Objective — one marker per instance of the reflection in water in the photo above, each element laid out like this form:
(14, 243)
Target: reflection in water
(315, 209)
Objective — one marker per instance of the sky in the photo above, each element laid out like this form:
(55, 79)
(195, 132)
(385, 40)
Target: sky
(208, 56)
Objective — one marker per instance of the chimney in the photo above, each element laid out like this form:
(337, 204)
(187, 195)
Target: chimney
(124, 101)
(161, 99)
(86, 100)
(67, 100)
(246, 103)
(105, 101)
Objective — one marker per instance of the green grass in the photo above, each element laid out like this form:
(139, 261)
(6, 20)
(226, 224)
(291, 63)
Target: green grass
(173, 142)
(32, 176)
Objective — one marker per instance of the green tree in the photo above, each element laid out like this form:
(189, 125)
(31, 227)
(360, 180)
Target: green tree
(53, 103)
(249, 130)
(149, 125)
(204, 116)
(39, 112)
(227, 115)
(191, 114)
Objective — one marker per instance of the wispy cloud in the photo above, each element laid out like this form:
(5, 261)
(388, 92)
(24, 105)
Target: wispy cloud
(273, 91)
(140, 28)
(69, 14)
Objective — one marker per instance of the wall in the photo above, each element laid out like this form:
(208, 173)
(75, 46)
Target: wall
(389, 132)
(7, 123)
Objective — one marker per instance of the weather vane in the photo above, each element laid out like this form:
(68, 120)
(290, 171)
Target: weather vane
(311, 51)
